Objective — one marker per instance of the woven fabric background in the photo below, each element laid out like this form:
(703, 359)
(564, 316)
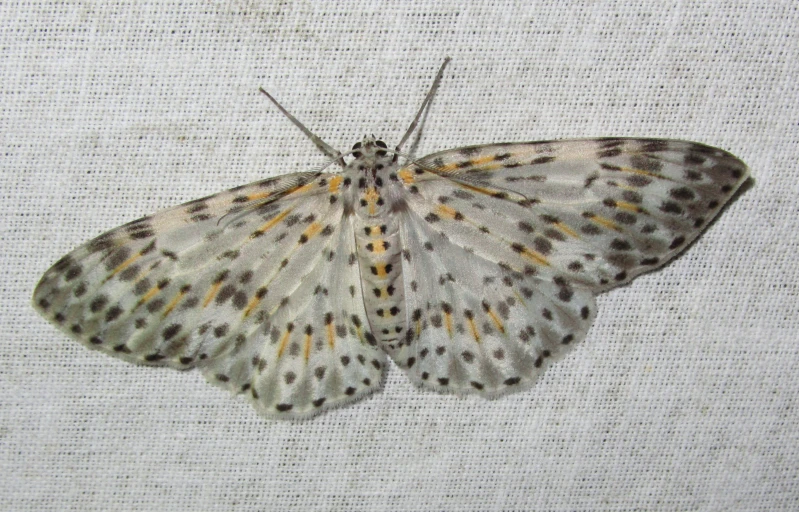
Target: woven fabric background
(684, 395)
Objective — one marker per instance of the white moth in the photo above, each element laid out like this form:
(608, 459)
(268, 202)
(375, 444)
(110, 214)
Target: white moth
(472, 269)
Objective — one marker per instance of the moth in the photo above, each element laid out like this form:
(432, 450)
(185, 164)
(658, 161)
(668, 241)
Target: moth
(472, 269)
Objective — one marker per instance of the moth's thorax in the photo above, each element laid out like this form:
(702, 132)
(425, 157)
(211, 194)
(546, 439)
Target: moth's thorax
(370, 172)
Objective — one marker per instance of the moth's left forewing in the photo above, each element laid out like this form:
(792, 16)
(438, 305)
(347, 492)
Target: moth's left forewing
(598, 211)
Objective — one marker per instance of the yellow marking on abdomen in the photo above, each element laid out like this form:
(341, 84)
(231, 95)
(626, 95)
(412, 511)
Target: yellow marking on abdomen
(448, 322)
(379, 246)
(371, 197)
(380, 270)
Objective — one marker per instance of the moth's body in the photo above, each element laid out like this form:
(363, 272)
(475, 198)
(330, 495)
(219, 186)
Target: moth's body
(472, 268)
(376, 205)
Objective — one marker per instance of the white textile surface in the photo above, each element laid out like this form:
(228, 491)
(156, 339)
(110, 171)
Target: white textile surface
(684, 395)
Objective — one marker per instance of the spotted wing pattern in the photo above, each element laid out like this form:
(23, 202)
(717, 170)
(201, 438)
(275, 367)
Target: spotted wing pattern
(256, 287)
(479, 325)
(507, 245)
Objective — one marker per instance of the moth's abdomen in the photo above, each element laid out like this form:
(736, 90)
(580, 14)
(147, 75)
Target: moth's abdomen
(379, 253)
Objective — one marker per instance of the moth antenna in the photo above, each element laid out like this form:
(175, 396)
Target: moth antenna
(424, 106)
(323, 146)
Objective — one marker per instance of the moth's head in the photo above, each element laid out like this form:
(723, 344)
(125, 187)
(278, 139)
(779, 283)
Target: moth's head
(371, 154)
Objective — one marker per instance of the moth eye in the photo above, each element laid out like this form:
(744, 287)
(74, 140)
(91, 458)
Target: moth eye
(355, 146)
(380, 144)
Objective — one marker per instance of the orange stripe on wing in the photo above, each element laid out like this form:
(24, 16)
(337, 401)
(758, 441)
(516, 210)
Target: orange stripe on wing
(335, 183)
(473, 329)
(273, 221)
(212, 293)
(125, 264)
(285, 339)
(173, 303)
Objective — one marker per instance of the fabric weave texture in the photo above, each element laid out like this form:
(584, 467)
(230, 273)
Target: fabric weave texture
(682, 397)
